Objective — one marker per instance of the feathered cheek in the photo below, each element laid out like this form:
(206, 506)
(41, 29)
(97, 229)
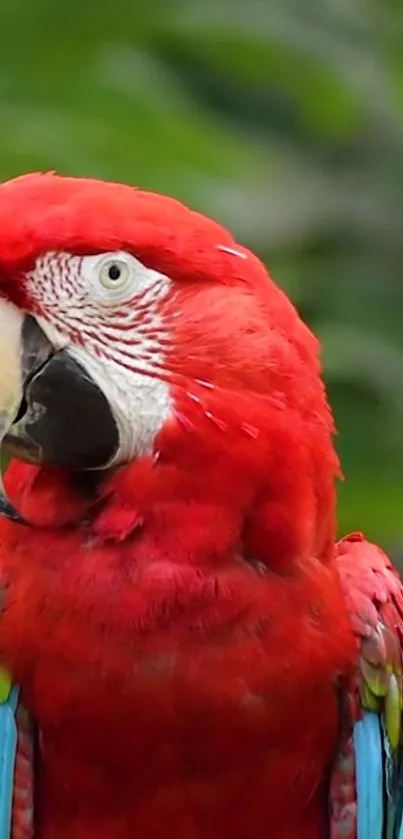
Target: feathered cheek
(51, 410)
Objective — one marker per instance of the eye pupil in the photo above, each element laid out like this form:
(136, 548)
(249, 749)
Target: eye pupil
(114, 272)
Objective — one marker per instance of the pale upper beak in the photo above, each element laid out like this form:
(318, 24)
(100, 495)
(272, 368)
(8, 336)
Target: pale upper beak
(11, 382)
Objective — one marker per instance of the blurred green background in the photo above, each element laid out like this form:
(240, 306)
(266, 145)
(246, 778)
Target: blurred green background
(281, 118)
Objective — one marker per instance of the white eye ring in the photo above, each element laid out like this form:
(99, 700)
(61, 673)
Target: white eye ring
(114, 273)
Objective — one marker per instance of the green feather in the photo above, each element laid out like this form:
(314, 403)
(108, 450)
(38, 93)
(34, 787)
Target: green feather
(5, 686)
(393, 710)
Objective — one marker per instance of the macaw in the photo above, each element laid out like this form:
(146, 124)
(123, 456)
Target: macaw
(186, 651)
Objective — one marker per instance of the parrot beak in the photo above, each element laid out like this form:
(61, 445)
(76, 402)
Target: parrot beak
(51, 410)
(23, 348)
(11, 391)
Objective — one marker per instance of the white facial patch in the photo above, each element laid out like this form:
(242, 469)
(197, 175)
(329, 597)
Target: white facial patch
(106, 310)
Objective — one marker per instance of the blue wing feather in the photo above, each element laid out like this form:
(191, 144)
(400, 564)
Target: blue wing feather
(8, 753)
(369, 776)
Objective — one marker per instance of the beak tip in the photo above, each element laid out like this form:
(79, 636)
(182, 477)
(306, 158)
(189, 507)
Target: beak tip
(7, 510)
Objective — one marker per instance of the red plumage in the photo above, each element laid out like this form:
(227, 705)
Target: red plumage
(180, 632)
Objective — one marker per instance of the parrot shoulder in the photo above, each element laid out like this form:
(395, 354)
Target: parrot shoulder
(366, 791)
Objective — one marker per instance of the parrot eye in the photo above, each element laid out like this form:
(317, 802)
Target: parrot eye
(114, 274)
(117, 277)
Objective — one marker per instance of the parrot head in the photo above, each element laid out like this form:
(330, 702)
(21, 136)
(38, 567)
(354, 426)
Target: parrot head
(136, 334)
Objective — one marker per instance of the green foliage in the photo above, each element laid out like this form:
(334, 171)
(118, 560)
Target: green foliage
(284, 119)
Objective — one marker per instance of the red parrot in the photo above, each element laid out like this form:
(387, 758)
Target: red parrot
(199, 658)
